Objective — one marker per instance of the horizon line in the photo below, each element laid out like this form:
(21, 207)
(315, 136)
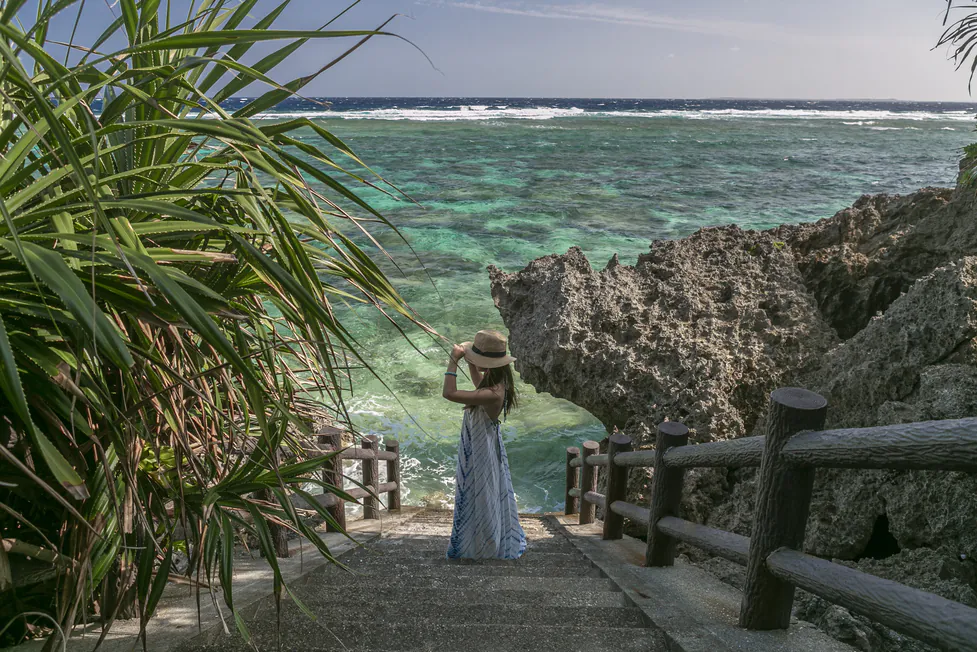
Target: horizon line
(726, 98)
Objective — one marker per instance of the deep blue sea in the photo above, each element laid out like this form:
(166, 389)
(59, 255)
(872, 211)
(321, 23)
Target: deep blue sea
(505, 180)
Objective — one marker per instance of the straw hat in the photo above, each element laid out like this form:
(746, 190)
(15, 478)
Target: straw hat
(488, 351)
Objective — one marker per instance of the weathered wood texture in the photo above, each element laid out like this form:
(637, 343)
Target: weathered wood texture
(617, 485)
(577, 463)
(570, 500)
(332, 474)
(360, 492)
(644, 458)
(575, 492)
(279, 533)
(727, 545)
(367, 454)
(942, 623)
(941, 445)
(596, 460)
(666, 493)
(371, 478)
(746, 451)
(782, 504)
(629, 511)
(594, 498)
(6, 575)
(588, 482)
(392, 446)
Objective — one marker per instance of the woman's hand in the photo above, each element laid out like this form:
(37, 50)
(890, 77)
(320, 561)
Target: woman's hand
(457, 352)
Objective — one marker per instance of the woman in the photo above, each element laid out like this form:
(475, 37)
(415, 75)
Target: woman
(486, 520)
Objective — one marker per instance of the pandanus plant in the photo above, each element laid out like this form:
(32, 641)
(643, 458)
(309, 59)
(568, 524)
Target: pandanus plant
(170, 278)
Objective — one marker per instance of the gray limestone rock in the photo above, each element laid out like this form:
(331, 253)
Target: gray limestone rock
(875, 308)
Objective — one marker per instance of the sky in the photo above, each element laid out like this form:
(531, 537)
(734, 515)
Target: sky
(821, 49)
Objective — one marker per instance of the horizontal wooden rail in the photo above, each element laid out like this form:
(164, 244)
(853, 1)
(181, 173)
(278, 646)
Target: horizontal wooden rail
(794, 444)
(733, 453)
(370, 455)
(949, 445)
(636, 458)
(942, 623)
(330, 500)
(629, 511)
(727, 545)
(366, 454)
(356, 453)
(596, 460)
(360, 492)
(595, 498)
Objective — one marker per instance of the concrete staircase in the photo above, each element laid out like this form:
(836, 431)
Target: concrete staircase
(401, 594)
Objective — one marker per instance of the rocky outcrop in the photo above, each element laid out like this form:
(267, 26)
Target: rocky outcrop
(699, 330)
(863, 258)
(875, 308)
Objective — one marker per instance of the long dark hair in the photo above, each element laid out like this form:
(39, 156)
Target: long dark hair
(502, 376)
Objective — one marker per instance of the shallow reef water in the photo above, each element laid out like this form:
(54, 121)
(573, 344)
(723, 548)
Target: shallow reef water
(496, 186)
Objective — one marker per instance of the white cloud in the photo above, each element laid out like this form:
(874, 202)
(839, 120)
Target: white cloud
(630, 16)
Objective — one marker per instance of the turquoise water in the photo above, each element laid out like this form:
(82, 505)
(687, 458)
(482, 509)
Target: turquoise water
(505, 190)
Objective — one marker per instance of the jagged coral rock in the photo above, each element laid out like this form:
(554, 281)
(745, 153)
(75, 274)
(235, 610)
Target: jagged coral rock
(875, 308)
(699, 330)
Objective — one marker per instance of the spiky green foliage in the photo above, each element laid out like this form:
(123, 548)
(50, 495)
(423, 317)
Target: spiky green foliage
(960, 35)
(168, 273)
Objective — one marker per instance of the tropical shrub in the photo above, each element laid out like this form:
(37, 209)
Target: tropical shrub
(169, 277)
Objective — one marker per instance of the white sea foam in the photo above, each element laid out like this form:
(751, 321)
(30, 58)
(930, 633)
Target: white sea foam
(498, 112)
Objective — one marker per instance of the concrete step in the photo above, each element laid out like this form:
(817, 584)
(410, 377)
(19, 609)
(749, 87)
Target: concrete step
(394, 593)
(527, 526)
(407, 610)
(402, 558)
(380, 569)
(454, 579)
(304, 635)
(433, 542)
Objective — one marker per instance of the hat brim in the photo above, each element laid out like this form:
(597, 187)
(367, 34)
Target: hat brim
(484, 361)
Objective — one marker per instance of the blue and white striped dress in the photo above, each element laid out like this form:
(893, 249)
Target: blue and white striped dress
(486, 520)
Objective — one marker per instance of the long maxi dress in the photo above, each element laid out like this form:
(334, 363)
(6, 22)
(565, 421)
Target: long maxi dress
(486, 519)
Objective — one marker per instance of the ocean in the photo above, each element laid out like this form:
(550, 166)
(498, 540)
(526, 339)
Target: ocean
(503, 181)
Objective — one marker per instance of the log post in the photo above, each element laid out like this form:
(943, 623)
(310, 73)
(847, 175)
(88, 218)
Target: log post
(571, 501)
(371, 477)
(588, 482)
(6, 575)
(279, 533)
(782, 505)
(393, 474)
(617, 485)
(666, 494)
(332, 473)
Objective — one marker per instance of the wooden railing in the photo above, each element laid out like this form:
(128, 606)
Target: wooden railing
(787, 455)
(330, 439)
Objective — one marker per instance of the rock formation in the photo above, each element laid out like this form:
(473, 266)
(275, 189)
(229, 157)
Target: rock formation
(875, 308)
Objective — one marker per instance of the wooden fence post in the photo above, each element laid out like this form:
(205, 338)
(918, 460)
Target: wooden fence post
(782, 505)
(588, 482)
(332, 473)
(666, 494)
(371, 477)
(393, 474)
(617, 485)
(571, 501)
(279, 533)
